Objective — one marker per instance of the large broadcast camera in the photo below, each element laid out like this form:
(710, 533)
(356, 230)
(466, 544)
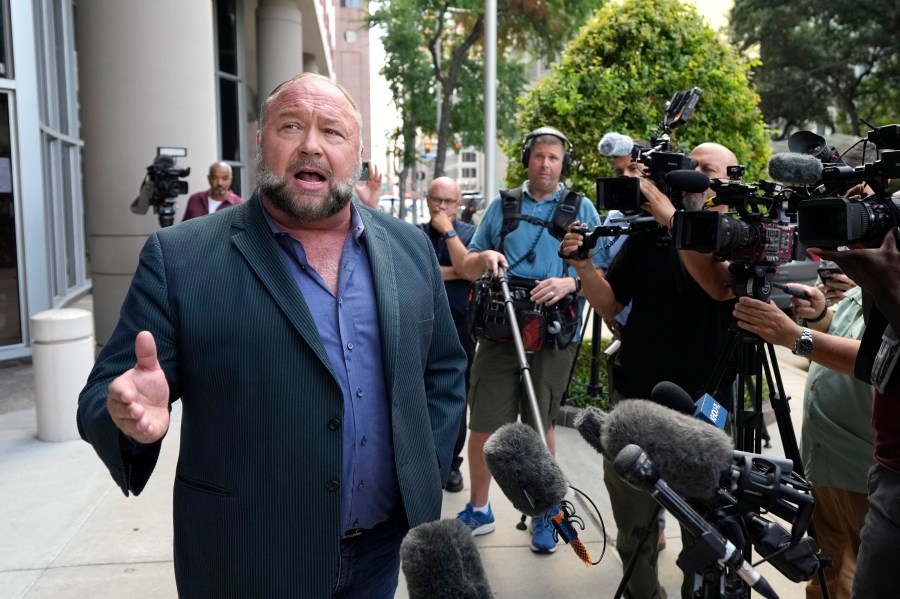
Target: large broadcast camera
(756, 244)
(828, 220)
(162, 185)
(672, 172)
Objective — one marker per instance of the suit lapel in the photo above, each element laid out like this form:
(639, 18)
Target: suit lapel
(381, 263)
(255, 241)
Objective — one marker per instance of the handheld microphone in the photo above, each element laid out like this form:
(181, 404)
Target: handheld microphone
(674, 397)
(631, 463)
(795, 169)
(687, 180)
(690, 455)
(615, 144)
(440, 559)
(531, 479)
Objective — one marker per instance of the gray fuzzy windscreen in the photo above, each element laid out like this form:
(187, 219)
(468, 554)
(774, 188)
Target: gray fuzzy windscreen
(689, 455)
(440, 561)
(524, 467)
(590, 424)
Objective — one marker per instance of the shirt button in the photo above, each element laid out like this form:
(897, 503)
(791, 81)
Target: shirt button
(363, 442)
(359, 393)
(361, 486)
(333, 486)
(334, 424)
(349, 346)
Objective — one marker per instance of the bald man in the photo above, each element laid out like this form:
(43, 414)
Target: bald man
(218, 196)
(450, 238)
(675, 332)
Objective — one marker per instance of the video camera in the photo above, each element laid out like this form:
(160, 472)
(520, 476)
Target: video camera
(162, 185)
(832, 221)
(623, 193)
(671, 171)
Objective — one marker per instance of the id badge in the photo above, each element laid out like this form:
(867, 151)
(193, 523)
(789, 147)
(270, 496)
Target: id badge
(886, 359)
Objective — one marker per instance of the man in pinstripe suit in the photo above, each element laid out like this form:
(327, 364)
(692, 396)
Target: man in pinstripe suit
(301, 469)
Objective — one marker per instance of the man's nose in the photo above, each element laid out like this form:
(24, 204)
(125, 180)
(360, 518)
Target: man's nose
(310, 144)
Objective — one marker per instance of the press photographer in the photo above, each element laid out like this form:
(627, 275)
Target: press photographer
(675, 332)
(162, 184)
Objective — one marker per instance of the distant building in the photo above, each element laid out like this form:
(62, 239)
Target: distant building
(89, 90)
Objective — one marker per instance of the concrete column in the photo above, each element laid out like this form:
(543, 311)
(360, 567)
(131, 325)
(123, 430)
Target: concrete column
(146, 78)
(62, 346)
(279, 45)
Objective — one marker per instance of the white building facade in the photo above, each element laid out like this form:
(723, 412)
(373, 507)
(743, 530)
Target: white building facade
(88, 90)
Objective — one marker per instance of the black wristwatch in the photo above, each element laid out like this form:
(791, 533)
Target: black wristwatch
(577, 285)
(449, 234)
(804, 345)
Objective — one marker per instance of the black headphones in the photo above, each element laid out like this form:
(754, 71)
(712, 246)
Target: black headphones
(527, 142)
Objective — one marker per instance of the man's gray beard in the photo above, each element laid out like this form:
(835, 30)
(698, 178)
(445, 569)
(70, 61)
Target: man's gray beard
(278, 190)
(693, 202)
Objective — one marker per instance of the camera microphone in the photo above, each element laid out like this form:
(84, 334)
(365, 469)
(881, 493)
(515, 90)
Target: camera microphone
(440, 560)
(795, 169)
(687, 180)
(615, 144)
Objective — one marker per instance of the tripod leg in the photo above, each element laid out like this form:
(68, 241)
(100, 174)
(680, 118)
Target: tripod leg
(642, 534)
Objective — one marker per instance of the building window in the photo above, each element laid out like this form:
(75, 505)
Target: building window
(230, 75)
(468, 157)
(469, 173)
(61, 147)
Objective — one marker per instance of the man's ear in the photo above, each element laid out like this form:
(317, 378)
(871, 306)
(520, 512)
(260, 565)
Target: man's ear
(258, 138)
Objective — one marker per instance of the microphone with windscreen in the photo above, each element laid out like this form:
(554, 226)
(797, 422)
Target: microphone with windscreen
(531, 479)
(440, 561)
(615, 144)
(795, 169)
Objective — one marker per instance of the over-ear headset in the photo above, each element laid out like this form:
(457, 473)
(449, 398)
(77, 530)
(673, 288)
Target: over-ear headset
(528, 142)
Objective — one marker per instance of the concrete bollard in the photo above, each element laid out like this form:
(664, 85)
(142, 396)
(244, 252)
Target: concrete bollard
(62, 354)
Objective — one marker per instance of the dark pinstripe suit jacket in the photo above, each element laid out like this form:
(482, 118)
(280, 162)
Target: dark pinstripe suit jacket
(256, 513)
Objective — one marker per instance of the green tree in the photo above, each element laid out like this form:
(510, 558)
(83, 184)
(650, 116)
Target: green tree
(829, 63)
(620, 70)
(452, 38)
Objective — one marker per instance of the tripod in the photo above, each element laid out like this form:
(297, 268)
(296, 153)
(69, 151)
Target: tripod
(755, 358)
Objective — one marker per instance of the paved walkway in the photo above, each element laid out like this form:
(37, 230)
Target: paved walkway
(67, 532)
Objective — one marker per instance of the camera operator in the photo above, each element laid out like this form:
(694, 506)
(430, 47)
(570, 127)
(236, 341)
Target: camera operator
(836, 438)
(675, 332)
(877, 271)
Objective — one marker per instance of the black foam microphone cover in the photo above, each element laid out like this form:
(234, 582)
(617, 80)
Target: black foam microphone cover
(668, 394)
(524, 468)
(440, 560)
(795, 169)
(687, 180)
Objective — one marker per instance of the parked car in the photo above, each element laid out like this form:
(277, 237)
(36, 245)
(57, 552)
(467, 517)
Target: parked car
(471, 203)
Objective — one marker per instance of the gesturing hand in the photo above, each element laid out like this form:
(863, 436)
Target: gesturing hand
(138, 400)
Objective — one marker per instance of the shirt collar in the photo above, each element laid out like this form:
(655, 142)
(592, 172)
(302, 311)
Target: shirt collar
(555, 197)
(356, 224)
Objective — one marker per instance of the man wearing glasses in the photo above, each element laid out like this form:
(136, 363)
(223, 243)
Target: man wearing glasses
(450, 237)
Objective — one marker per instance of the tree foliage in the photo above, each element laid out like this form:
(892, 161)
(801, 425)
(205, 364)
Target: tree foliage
(620, 70)
(450, 38)
(828, 63)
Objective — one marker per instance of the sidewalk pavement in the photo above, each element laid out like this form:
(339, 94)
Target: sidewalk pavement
(67, 532)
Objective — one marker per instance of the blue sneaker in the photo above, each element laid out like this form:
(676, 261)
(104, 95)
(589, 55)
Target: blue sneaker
(478, 522)
(542, 540)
